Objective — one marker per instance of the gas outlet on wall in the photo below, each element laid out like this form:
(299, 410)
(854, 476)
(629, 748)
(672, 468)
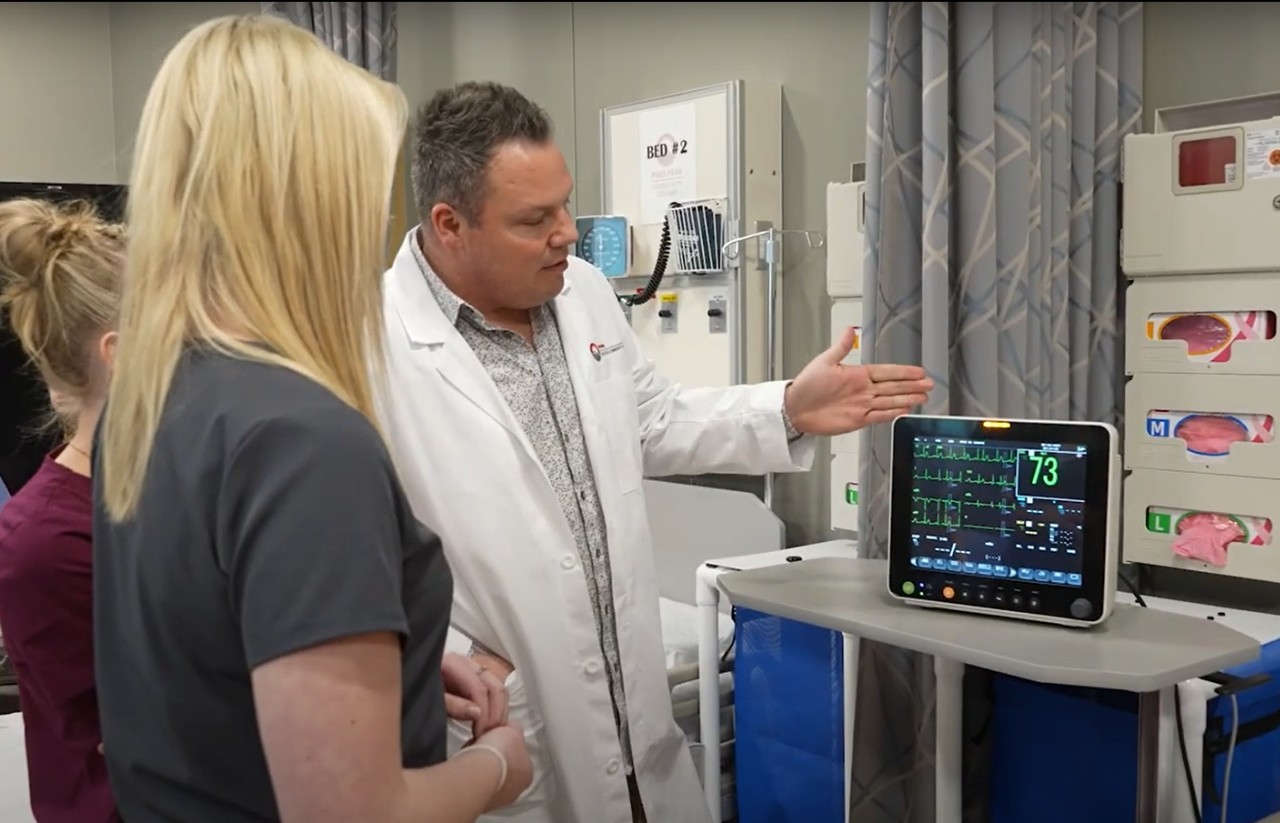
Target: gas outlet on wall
(717, 319)
(667, 312)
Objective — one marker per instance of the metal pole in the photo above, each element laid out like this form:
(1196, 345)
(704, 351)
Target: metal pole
(771, 331)
(770, 238)
(1148, 756)
(948, 740)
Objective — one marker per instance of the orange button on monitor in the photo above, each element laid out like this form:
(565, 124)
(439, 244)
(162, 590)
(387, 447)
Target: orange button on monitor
(948, 592)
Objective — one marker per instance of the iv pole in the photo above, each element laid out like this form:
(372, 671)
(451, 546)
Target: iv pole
(768, 241)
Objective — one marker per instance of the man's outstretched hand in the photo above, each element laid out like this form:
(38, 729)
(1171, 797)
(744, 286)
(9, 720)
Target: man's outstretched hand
(830, 398)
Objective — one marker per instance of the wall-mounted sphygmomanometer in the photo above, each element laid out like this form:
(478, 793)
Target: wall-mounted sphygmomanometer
(1014, 518)
(604, 241)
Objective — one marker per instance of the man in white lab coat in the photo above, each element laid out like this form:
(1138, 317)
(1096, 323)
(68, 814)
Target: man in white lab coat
(522, 417)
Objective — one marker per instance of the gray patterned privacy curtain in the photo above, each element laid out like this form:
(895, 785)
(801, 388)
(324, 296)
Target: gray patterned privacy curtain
(364, 33)
(993, 151)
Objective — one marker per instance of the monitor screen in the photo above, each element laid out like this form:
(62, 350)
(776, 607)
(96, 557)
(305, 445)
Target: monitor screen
(999, 509)
(1004, 515)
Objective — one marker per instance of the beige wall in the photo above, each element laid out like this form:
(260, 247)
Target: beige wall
(526, 45)
(1194, 52)
(56, 93)
(73, 76)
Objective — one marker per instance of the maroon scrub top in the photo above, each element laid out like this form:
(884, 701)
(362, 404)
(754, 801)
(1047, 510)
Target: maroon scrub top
(46, 618)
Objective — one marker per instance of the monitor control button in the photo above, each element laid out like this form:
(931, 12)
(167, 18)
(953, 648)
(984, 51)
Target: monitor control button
(1081, 608)
(1034, 602)
(948, 592)
(1016, 600)
(999, 598)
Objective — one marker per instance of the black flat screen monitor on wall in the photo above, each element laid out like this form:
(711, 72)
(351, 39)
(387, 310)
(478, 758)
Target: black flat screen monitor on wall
(24, 402)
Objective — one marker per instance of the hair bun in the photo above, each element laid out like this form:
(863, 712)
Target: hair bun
(67, 225)
(34, 234)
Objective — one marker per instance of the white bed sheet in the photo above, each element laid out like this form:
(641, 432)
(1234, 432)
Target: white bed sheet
(15, 798)
(680, 632)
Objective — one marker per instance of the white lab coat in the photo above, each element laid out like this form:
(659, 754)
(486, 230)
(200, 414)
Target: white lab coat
(471, 475)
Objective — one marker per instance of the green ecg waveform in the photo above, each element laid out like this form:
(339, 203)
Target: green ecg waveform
(969, 454)
(950, 513)
(968, 476)
(979, 483)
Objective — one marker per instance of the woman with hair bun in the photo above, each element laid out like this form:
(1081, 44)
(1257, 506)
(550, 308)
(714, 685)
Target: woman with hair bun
(60, 268)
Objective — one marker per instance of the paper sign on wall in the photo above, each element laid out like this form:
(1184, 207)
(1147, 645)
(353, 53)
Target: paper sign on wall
(1262, 153)
(668, 159)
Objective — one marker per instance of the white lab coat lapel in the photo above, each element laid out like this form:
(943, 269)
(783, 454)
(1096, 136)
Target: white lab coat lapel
(578, 334)
(575, 338)
(432, 336)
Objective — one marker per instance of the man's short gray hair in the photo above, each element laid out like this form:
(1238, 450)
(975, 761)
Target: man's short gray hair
(456, 134)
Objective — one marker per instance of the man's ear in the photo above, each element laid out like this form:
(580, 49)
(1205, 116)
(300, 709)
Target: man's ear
(446, 223)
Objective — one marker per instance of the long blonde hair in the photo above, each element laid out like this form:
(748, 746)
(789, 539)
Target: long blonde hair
(60, 272)
(258, 212)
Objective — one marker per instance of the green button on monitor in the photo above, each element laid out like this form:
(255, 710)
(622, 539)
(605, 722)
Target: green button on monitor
(908, 587)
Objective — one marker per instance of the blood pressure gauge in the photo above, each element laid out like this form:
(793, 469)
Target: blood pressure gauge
(603, 241)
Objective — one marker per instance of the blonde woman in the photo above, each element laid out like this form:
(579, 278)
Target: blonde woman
(270, 618)
(60, 286)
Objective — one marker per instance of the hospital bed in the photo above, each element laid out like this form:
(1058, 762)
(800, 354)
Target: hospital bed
(692, 524)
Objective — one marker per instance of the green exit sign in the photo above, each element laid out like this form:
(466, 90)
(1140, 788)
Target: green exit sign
(1159, 523)
(851, 493)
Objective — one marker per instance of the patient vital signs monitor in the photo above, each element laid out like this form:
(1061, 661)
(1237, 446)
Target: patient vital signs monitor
(1015, 518)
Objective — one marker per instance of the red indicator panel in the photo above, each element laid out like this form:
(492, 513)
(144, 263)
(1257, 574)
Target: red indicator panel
(1207, 162)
